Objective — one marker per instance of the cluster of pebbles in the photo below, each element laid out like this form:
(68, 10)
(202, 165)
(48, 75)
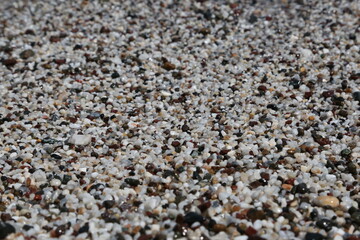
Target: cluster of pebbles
(179, 119)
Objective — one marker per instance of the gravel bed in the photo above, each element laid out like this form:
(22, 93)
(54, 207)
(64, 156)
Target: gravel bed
(179, 119)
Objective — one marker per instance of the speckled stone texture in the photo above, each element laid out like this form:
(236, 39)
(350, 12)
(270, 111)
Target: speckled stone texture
(182, 119)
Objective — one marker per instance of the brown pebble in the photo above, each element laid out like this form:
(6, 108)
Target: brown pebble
(55, 39)
(219, 228)
(104, 30)
(330, 201)
(254, 214)
(60, 61)
(168, 66)
(5, 217)
(10, 62)
(287, 187)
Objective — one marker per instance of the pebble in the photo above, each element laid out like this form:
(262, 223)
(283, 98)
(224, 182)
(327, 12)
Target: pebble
(108, 204)
(6, 229)
(314, 236)
(55, 182)
(330, 201)
(27, 54)
(80, 139)
(325, 224)
(132, 182)
(355, 217)
(191, 217)
(356, 96)
(301, 188)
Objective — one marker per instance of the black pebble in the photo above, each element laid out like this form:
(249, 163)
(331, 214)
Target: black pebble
(272, 106)
(356, 96)
(56, 156)
(108, 204)
(355, 217)
(132, 182)
(77, 47)
(301, 188)
(6, 229)
(84, 228)
(314, 236)
(253, 18)
(314, 214)
(168, 173)
(325, 224)
(207, 14)
(345, 152)
(66, 179)
(193, 217)
(185, 128)
(295, 83)
(339, 101)
(27, 227)
(115, 75)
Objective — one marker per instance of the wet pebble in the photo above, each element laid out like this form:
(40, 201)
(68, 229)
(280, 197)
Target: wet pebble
(6, 229)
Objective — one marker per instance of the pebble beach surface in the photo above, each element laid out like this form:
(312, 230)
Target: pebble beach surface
(179, 119)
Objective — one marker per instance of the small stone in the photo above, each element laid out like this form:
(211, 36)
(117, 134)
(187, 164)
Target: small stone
(168, 66)
(193, 217)
(254, 214)
(327, 94)
(104, 30)
(339, 101)
(10, 62)
(311, 118)
(356, 96)
(27, 54)
(287, 187)
(60, 61)
(330, 201)
(314, 236)
(352, 168)
(132, 182)
(355, 217)
(175, 144)
(29, 32)
(253, 18)
(6, 217)
(262, 88)
(56, 156)
(55, 182)
(77, 47)
(250, 231)
(60, 230)
(6, 229)
(219, 228)
(66, 179)
(80, 139)
(55, 39)
(27, 227)
(84, 229)
(204, 31)
(108, 204)
(185, 128)
(115, 75)
(345, 153)
(325, 224)
(301, 188)
(273, 107)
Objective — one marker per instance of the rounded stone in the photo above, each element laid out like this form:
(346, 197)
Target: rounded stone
(330, 201)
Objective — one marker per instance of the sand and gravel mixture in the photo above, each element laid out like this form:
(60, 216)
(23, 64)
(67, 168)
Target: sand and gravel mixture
(179, 119)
